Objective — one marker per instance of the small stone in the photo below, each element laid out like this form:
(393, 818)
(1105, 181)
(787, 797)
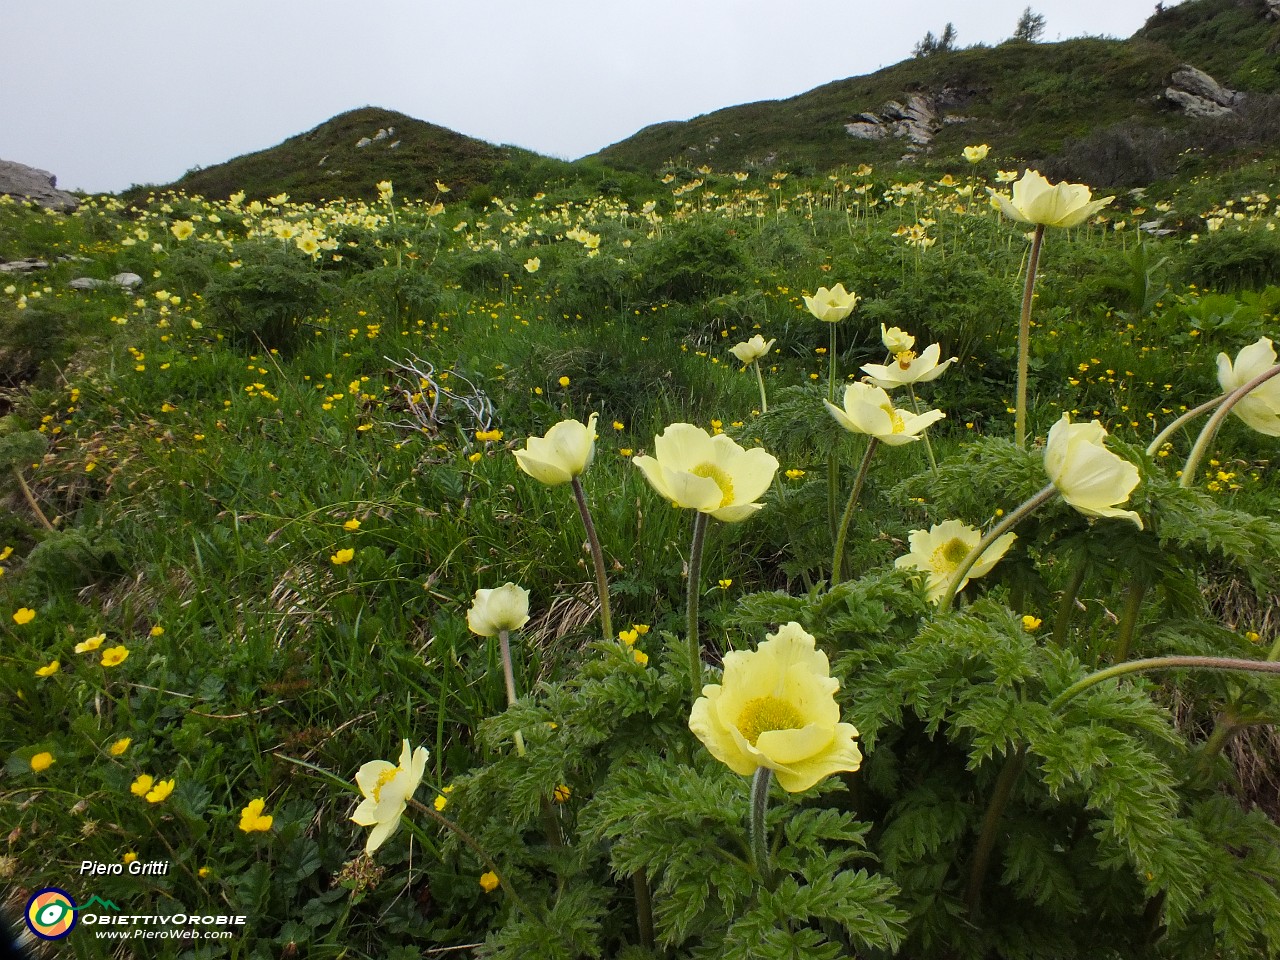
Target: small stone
(23, 266)
(86, 283)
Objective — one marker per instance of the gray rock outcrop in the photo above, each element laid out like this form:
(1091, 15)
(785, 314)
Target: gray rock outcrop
(38, 186)
(1199, 95)
(916, 120)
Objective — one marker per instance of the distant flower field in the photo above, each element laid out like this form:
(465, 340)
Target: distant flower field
(768, 565)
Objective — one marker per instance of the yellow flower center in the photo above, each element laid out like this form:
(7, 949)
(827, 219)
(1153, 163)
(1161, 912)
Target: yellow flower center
(948, 556)
(722, 479)
(904, 358)
(386, 777)
(895, 418)
(767, 713)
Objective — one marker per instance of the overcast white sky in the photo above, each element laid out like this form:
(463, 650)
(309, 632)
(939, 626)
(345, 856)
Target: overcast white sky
(105, 95)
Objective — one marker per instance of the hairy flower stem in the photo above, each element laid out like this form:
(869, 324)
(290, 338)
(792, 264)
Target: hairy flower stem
(928, 446)
(1003, 789)
(833, 465)
(469, 842)
(837, 556)
(1067, 605)
(757, 830)
(597, 557)
(1224, 728)
(31, 500)
(1129, 619)
(833, 482)
(1024, 341)
(1211, 428)
(694, 593)
(764, 400)
(509, 675)
(1163, 663)
(1154, 446)
(644, 908)
(831, 367)
(1001, 528)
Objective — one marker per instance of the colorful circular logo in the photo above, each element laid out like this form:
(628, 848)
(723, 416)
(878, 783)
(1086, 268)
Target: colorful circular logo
(51, 913)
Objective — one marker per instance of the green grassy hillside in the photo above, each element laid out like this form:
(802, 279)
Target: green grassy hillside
(1060, 106)
(326, 163)
(1090, 109)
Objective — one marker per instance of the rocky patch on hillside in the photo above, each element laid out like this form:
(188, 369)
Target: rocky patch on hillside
(39, 186)
(916, 120)
(1199, 95)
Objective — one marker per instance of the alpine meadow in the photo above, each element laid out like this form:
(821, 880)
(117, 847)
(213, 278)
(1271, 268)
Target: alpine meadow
(743, 544)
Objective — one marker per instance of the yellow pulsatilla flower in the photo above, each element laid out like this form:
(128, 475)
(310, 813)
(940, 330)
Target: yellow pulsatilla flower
(868, 409)
(1260, 407)
(502, 608)
(252, 819)
(1089, 477)
(976, 154)
(833, 304)
(387, 789)
(896, 340)
(711, 474)
(564, 453)
(533, 264)
(775, 707)
(385, 190)
(752, 350)
(939, 551)
(1036, 200)
(908, 368)
(182, 229)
